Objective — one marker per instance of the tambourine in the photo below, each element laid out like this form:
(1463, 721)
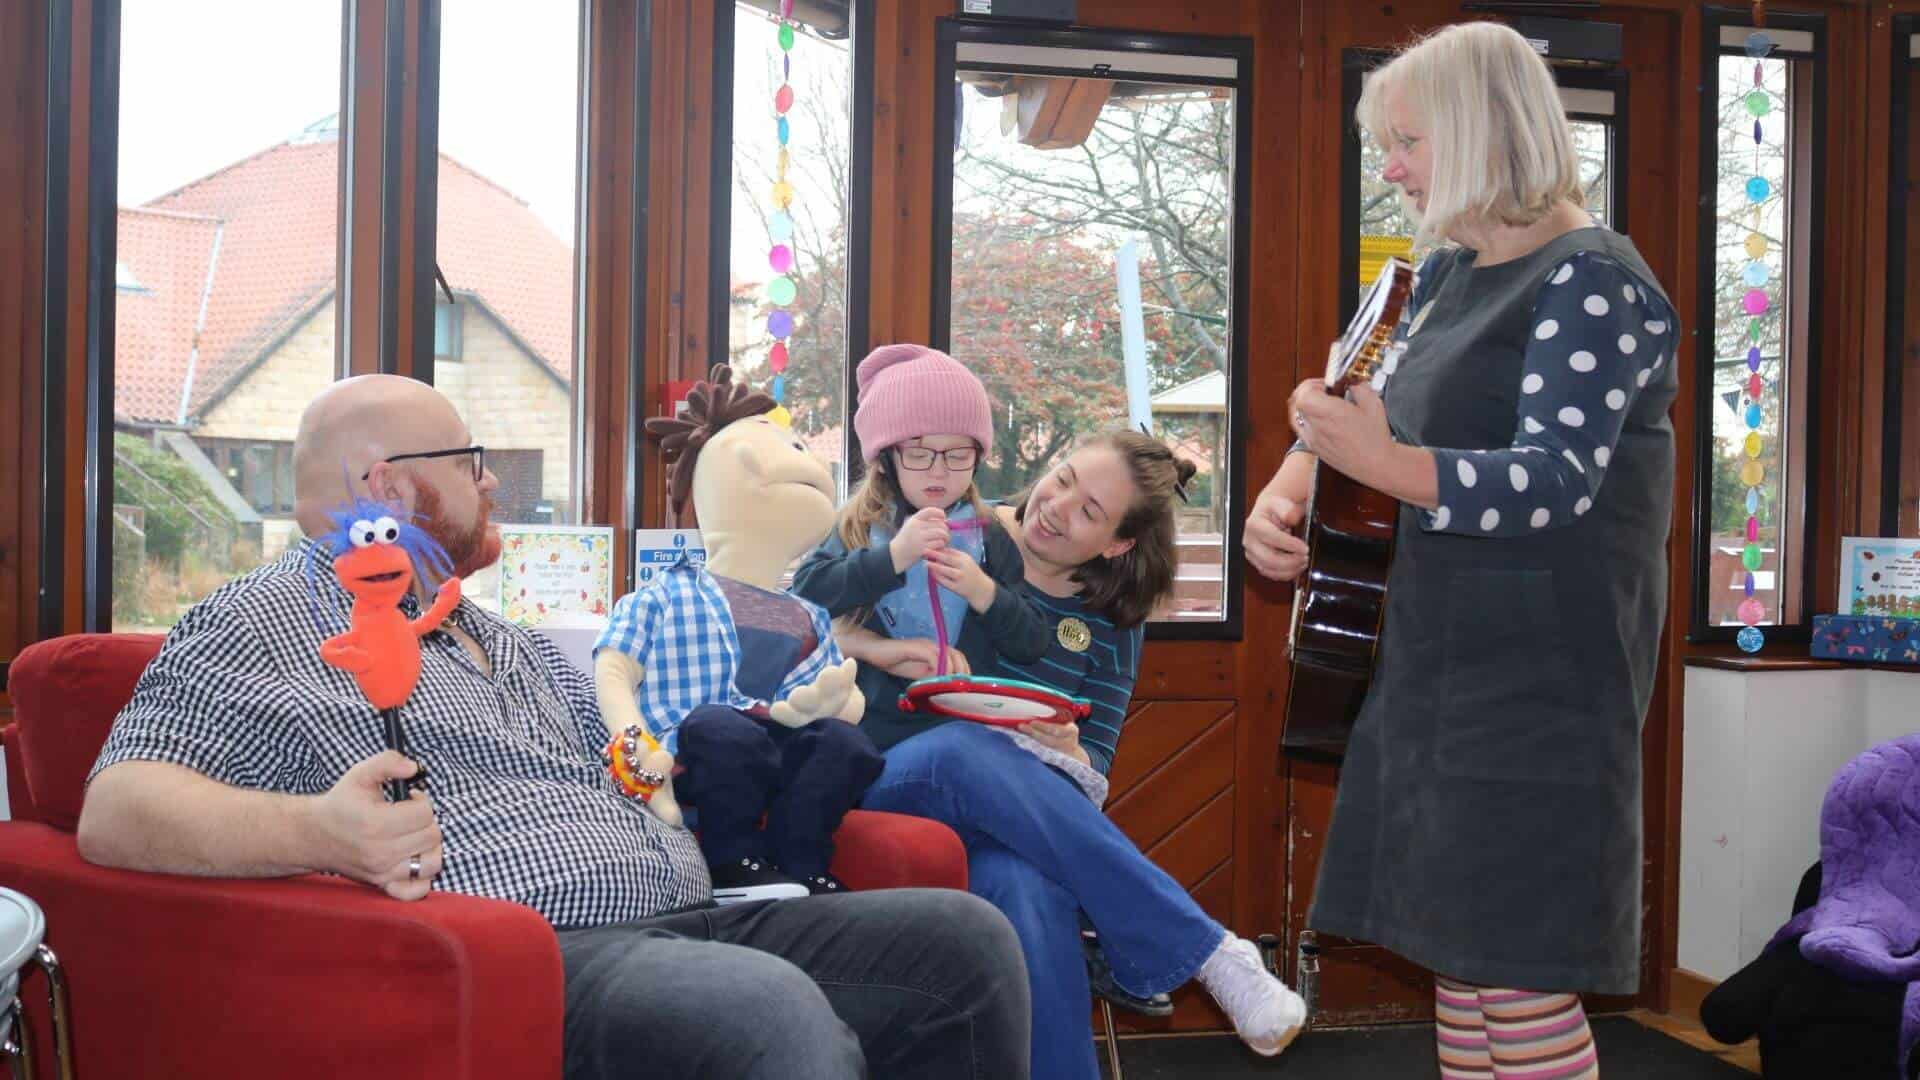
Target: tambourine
(999, 702)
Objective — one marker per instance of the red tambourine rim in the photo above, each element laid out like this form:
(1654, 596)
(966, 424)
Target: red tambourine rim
(923, 693)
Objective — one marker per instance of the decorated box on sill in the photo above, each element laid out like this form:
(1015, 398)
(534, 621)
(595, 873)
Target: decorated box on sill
(1867, 639)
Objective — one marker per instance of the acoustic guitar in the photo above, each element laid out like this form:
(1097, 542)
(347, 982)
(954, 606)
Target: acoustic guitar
(1341, 596)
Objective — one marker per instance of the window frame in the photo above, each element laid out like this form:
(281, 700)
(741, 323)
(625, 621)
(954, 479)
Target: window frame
(385, 273)
(1807, 165)
(859, 206)
(953, 31)
(1905, 66)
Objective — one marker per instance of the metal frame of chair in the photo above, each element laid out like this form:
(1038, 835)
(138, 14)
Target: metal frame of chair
(16, 1028)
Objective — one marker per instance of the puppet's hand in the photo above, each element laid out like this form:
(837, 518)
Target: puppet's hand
(444, 601)
(825, 696)
(349, 658)
(662, 802)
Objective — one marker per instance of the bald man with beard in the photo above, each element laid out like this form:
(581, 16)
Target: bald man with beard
(242, 754)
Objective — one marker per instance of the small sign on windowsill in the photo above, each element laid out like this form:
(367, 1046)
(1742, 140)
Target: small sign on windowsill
(552, 570)
(1880, 576)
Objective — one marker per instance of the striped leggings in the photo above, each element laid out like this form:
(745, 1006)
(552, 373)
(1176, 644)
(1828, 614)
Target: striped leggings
(1489, 1034)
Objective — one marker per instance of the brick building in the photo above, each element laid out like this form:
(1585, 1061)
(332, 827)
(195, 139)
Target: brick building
(225, 327)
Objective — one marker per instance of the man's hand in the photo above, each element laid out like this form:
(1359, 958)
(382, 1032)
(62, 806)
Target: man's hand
(923, 532)
(825, 696)
(357, 833)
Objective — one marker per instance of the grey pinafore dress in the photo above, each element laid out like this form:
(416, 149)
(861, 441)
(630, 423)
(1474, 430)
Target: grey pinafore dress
(1487, 824)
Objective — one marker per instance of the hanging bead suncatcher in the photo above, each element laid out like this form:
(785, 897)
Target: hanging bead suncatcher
(1757, 304)
(780, 256)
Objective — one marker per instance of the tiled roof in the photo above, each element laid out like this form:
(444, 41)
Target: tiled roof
(257, 243)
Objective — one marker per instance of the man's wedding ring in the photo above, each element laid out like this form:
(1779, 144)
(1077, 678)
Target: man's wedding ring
(413, 868)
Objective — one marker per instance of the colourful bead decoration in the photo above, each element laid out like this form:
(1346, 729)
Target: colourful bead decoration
(782, 257)
(1755, 275)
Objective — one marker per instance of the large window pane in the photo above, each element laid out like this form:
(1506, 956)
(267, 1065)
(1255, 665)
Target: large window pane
(506, 344)
(1758, 334)
(225, 282)
(1081, 205)
(787, 257)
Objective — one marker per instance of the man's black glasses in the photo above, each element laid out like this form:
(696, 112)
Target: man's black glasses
(479, 454)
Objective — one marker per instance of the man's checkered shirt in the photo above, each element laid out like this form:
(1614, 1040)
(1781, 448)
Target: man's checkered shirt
(526, 811)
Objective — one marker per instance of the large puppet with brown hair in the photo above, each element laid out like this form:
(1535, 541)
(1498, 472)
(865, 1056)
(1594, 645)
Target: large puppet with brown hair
(721, 690)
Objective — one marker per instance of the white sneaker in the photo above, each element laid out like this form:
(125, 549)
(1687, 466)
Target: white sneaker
(1265, 1012)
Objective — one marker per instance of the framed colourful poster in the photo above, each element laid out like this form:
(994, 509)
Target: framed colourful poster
(1879, 576)
(548, 570)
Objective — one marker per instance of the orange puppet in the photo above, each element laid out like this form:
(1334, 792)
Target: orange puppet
(375, 552)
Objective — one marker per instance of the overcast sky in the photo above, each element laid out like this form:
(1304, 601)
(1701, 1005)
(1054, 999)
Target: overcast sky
(205, 83)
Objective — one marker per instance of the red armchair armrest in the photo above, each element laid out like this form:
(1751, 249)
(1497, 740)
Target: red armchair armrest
(297, 977)
(877, 850)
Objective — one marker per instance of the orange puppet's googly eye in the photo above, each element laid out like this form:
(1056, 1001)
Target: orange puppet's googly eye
(362, 533)
(386, 531)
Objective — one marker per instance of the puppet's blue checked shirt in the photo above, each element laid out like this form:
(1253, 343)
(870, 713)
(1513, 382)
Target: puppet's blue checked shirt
(682, 632)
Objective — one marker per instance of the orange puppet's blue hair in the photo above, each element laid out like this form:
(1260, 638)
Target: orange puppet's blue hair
(431, 564)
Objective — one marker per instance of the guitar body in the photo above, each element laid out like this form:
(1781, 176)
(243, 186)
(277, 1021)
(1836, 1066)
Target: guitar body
(1341, 597)
(1337, 608)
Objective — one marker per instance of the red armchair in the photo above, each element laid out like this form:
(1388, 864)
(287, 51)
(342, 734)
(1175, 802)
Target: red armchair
(297, 977)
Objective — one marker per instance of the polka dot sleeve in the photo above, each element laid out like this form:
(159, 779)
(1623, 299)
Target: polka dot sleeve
(1597, 339)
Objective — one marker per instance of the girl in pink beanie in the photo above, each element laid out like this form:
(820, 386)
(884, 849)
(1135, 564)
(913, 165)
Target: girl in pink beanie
(924, 421)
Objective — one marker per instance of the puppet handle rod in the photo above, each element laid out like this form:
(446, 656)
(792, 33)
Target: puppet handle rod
(397, 742)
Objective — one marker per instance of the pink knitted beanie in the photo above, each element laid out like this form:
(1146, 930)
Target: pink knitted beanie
(909, 391)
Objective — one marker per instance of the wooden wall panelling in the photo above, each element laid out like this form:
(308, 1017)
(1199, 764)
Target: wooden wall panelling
(1874, 109)
(70, 334)
(23, 101)
(1156, 731)
(1845, 251)
(1274, 367)
(1663, 162)
(1179, 787)
(612, 83)
(363, 96)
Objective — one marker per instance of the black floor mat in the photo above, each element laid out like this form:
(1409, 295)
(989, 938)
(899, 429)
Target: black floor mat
(1627, 1049)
